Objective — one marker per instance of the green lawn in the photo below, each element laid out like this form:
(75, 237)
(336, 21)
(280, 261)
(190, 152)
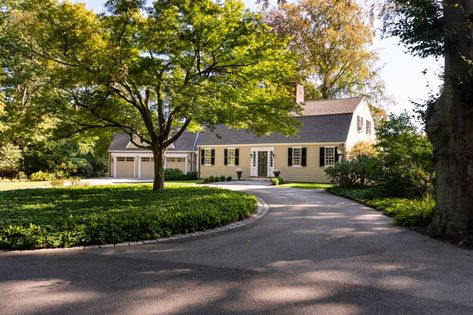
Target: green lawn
(64, 217)
(22, 185)
(307, 185)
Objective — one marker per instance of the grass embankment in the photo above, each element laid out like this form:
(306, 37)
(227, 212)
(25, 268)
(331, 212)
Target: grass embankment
(406, 212)
(65, 217)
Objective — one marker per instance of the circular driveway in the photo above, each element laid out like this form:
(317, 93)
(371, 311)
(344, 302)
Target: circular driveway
(314, 253)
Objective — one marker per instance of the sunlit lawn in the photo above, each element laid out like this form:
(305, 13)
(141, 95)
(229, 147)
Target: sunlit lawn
(4, 185)
(307, 185)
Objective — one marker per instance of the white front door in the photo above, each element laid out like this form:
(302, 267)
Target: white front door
(262, 162)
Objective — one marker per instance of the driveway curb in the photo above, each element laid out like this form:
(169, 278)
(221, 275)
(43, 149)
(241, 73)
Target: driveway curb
(263, 209)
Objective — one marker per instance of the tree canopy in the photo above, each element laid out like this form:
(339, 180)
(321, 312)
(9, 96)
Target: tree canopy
(332, 42)
(154, 71)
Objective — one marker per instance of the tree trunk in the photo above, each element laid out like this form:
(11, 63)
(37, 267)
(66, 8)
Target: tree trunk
(158, 183)
(450, 129)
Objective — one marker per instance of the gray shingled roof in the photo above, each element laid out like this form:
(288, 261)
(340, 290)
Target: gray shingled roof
(186, 142)
(320, 128)
(330, 107)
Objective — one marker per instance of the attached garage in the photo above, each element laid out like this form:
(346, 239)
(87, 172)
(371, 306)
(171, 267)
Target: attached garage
(147, 167)
(125, 166)
(177, 162)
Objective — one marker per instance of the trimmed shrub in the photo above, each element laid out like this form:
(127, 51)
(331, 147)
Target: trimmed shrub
(58, 182)
(222, 178)
(275, 181)
(206, 180)
(173, 172)
(211, 179)
(229, 178)
(216, 178)
(354, 173)
(281, 180)
(21, 176)
(41, 176)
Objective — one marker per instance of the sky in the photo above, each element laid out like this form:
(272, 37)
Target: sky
(401, 72)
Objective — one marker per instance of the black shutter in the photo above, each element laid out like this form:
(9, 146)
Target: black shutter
(304, 157)
(225, 157)
(336, 155)
(202, 157)
(212, 157)
(289, 156)
(322, 156)
(237, 156)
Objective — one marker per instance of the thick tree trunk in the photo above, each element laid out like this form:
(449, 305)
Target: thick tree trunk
(158, 183)
(450, 129)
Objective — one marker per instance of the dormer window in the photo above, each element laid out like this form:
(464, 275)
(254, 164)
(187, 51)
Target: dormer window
(368, 127)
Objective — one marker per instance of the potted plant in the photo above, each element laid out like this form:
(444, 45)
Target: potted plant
(239, 171)
(276, 173)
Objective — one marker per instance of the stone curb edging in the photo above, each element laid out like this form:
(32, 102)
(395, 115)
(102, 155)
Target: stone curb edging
(263, 209)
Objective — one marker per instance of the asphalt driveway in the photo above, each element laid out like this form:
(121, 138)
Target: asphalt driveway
(314, 253)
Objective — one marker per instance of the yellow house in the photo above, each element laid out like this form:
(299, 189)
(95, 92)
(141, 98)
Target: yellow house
(329, 129)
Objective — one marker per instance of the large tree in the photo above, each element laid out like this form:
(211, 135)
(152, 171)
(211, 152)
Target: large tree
(155, 71)
(332, 40)
(445, 28)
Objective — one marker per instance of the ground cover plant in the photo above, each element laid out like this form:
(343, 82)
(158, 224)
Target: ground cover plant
(407, 212)
(64, 217)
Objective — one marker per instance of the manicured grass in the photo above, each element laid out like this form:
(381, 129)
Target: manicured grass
(64, 217)
(307, 185)
(6, 185)
(406, 212)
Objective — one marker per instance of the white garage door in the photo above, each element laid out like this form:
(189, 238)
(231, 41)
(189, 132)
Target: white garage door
(125, 166)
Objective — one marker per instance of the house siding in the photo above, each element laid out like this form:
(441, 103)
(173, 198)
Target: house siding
(354, 136)
(310, 173)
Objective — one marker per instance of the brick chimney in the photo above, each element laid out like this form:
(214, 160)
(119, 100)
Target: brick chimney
(299, 93)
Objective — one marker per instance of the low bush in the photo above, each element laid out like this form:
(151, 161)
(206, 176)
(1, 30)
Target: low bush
(21, 176)
(216, 178)
(222, 178)
(275, 181)
(281, 180)
(406, 212)
(206, 180)
(211, 179)
(64, 217)
(58, 182)
(177, 174)
(354, 173)
(41, 176)
(229, 178)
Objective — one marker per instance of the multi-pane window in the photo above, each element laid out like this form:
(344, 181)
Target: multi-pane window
(329, 156)
(271, 159)
(231, 157)
(130, 159)
(253, 158)
(359, 123)
(296, 156)
(207, 156)
(368, 127)
(147, 159)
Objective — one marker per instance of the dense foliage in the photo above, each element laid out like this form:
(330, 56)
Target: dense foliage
(64, 217)
(402, 166)
(407, 212)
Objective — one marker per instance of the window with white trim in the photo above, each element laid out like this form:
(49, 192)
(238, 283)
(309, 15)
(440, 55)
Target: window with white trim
(231, 157)
(296, 156)
(207, 157)
(359, 123)
(329, 156)
(146, 159)
(130, 159)
(121, 159)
